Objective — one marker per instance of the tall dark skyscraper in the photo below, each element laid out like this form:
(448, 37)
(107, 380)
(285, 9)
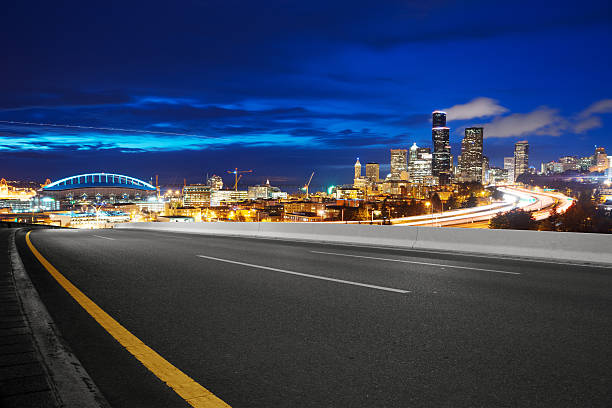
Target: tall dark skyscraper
(439, 119)
(440, 135)
(521, 158)
(470, 166)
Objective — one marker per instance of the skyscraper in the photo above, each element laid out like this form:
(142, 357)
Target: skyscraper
(470, 165)
(412, 155)
(521, 158)
(439, 119)
(440, 135)
(399, 163)
(485, 170)
(357, 169)
(373, 172)
(600, 160)
(509, 166)
(420, 165)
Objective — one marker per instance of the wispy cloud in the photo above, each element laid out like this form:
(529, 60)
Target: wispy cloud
(476, 108)
(603, 106)
(543, 121)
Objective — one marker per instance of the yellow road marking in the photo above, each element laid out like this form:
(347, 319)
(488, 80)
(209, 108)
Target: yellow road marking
(192, 392)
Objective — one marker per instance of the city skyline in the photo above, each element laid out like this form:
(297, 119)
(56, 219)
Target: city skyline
(194, 98)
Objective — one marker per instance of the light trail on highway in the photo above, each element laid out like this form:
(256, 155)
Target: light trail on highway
(540, 203)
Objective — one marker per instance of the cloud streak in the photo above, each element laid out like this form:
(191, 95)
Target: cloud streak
(543, 121)
(476, 108)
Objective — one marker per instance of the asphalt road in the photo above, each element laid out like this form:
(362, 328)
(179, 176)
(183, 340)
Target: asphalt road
(355, 327)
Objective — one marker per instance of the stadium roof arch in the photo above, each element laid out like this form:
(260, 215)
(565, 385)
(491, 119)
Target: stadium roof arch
(99, 180)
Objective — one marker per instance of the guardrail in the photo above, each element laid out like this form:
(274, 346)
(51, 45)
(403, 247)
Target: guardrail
(558, 246)
(11, 224)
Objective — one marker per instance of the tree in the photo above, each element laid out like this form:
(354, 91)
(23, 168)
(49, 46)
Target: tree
(436, 203)
(515, 219)
(551, 223)
(497, 195)
(584, 216)
(472, 201)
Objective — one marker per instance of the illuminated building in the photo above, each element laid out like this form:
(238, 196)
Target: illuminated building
(399, 163)
(600, 160)
(497, 176)
(420, 165)
(11, 193)
(196, 195)
(521, 158)
(441, 160)
(585, 163)
(412, 155)
(357, 169)
(98, 219)
(396, 187)
(215, 182)
(265, 192)
(509, 167)
(349, 193)
(471, 161)
(98, 188)
(373, 172)
(485, 169)
(220, 197)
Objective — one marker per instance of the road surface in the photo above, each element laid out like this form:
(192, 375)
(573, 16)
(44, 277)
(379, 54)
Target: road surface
(264, 323)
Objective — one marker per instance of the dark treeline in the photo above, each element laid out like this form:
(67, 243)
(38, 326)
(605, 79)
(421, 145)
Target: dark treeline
(582, 216)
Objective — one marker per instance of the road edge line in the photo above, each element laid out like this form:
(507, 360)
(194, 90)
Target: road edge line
(72, 384)
(188, 389)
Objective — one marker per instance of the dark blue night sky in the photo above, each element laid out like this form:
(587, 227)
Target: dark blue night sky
(286, 88)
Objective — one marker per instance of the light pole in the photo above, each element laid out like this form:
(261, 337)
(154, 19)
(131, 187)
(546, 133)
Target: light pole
(428, 204)
(321, 214)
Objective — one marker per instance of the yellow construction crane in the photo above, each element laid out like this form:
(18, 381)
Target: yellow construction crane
(307, 185)
(237, 172)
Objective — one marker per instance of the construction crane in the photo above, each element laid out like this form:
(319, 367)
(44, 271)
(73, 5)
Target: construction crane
(307, 185)
(236, 173)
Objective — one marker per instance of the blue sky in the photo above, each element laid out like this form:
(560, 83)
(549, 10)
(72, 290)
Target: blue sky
(194, 87)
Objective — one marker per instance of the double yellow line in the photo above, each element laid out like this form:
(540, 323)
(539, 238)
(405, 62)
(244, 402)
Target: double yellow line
(192, 392)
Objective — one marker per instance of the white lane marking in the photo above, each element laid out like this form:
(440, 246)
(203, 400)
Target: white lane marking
(416, 262)
(306, 275)
(100, 236)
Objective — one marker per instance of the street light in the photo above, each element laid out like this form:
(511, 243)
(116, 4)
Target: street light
(321, 214)
(428, 204)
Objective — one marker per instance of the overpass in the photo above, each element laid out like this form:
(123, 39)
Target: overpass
(316, 314)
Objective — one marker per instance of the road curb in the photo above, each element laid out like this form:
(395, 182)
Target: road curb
(71, 382)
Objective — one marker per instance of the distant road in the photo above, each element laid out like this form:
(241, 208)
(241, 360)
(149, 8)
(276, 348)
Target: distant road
(266, 324)
(537, 201)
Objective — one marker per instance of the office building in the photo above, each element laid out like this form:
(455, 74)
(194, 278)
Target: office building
(215, 182)
(220, 197)
(470, 164)
(399, 163)
(509, 167)
(196, 195)
(438, 119)
(357, 169)
(420, 165)
(600, 160)
(521, 158)
(373, 172)
(441, 162)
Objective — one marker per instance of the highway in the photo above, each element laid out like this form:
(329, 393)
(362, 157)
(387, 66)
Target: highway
(267, 323)
(536, 201)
